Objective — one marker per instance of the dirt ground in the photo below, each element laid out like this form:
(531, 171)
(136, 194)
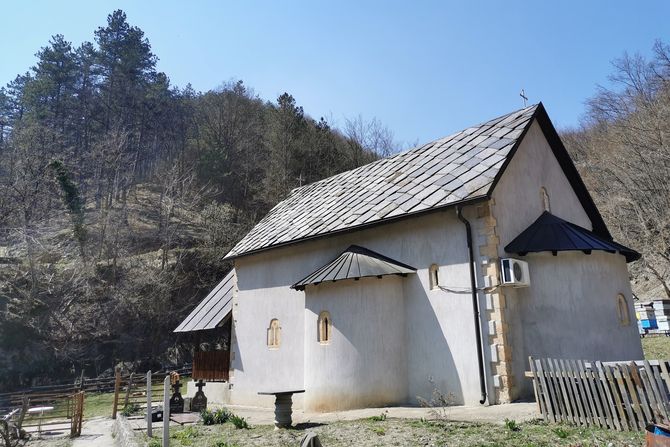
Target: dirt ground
(95, 432)
(403, 432)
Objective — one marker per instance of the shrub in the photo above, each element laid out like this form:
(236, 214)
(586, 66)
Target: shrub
(380, 418)
(512, 425)
(130, 409)
(239, 422)
(224, 444)
(208, 417)
(221, 416)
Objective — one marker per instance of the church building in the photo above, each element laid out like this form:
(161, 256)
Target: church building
(442, 267)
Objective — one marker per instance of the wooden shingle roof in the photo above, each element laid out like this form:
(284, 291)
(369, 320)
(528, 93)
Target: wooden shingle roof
(456, 169)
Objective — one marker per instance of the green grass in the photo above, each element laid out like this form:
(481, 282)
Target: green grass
(656, 348)
(98, 405)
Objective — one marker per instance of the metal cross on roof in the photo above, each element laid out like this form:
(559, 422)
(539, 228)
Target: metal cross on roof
(525, 98)
(300, 179)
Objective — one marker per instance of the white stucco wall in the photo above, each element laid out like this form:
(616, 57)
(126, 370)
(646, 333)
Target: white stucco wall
(569, 311)
(365, 363)
(439, 343)
(517, 194)
(262, 296)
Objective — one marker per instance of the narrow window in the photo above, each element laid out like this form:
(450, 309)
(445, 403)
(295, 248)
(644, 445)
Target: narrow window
(622, 310)
(274, 334)
(324, 328)
(544, 196)
(434, 277)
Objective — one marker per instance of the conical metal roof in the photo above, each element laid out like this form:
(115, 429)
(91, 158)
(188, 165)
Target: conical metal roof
(551, 233)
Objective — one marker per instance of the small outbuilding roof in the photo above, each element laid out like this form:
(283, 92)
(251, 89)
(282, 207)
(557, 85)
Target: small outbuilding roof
(213, 309)
(354, 263)
(551, 233)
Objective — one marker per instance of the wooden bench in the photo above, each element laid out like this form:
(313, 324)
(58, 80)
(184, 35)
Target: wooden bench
(283, 406)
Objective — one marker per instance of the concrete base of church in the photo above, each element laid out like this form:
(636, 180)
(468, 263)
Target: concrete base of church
(218, 393)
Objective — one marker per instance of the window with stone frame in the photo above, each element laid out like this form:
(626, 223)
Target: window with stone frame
(274, 334)
(325, 328)
(622, 310)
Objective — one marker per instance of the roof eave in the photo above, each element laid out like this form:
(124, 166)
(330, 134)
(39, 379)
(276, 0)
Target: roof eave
(470, 201)
(302, 287)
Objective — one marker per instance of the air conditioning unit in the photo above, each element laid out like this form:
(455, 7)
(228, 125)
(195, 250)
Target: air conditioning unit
(514, 272)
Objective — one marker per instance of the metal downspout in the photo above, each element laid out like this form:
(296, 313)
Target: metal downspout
(475, 305)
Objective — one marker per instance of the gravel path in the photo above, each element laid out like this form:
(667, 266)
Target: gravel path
(96, 432)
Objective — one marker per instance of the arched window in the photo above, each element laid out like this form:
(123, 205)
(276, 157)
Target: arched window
(325, 328)
(622, 310)
(434, 277)
(544, 196)
(274, 334)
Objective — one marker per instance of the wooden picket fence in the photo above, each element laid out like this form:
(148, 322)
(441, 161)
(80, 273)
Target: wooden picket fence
(621, 396)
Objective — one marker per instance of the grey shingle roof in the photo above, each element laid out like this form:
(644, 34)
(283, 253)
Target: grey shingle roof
(213, 309)
(457, 168)
(355, 262)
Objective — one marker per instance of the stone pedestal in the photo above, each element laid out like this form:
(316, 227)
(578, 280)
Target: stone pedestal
(283, 410)
(283, 406)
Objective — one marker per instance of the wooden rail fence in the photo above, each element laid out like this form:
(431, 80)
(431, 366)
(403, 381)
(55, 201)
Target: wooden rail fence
(617, 395)
(66, 400)
(130, 390)
(47, 408)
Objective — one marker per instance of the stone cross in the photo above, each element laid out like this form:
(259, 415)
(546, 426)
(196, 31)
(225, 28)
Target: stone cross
(176, 401)
(199, 401)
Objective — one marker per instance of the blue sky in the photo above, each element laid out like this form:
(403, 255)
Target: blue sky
(425, 69)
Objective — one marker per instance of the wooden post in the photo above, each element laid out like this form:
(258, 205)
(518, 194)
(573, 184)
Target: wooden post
(117, 386)
(149, 433)
(166, 411)
(77, 414)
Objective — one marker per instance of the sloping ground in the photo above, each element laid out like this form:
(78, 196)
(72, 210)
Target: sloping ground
(405, 432)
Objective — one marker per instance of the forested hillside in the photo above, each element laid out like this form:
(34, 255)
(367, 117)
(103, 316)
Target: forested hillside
(622, 150)
(120, 194)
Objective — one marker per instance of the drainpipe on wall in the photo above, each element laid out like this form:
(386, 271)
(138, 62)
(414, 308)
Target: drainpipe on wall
(475, 304)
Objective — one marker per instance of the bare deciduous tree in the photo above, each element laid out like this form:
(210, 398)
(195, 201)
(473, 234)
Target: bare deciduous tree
(623, 150)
